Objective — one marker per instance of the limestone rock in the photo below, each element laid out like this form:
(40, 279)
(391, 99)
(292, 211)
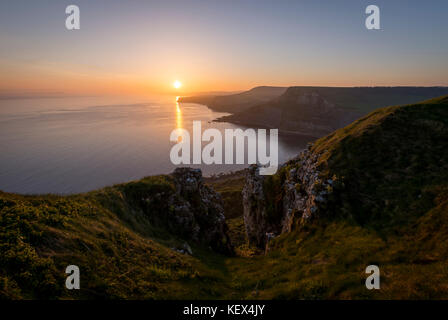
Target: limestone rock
(191, 211)
(304, 195)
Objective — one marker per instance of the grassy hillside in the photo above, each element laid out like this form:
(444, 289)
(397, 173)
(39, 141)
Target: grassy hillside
(121, 253)
(392, 211)
(393, 162)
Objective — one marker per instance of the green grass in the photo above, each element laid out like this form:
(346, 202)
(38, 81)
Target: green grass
(391, 209)
(328, 261)
(392, 162)
(229, 186)
(120, 252)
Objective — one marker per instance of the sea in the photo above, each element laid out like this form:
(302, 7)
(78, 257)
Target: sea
(66, 144)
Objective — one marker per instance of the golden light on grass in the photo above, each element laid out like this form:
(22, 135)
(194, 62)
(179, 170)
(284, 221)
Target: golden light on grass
(177, 84)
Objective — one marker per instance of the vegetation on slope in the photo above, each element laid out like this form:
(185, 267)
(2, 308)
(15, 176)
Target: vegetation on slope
(391, 212)
(120, 252)
(393, 162)
(230, 187)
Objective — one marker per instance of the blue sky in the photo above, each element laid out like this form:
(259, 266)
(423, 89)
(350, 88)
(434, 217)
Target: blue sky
(220, 45)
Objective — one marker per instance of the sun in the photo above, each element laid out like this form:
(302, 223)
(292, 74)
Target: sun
(177, 84)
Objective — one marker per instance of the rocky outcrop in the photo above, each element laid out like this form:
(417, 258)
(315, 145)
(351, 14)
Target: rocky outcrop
(375, 171)
(255, 213)
(188, 209)
(302, 192)
(201, 209)
(307, 193)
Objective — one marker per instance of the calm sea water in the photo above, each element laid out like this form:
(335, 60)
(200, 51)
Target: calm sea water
(71, 145)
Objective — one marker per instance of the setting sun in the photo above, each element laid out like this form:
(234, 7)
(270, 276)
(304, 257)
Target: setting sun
(177, 84)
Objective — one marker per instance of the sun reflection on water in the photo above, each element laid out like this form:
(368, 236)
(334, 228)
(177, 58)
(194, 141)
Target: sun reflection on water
(178, 115)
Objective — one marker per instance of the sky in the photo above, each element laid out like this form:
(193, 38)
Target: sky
(134, 47)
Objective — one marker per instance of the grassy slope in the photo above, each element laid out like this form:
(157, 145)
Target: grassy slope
(394, 213)
(393, 161)
(122, 255)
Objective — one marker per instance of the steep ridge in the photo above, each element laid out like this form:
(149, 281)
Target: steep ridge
(372, 193)
(383, 170)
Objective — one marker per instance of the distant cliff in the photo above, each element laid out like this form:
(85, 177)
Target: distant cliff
(317, 111)
(236, 102)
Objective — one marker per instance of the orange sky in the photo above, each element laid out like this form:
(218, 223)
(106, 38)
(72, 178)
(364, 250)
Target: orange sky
(79, 79)
(143, 47)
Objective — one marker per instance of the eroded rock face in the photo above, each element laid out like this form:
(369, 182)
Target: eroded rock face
(254, 205)
(206, 221)
(304, 194)
(189, 210)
